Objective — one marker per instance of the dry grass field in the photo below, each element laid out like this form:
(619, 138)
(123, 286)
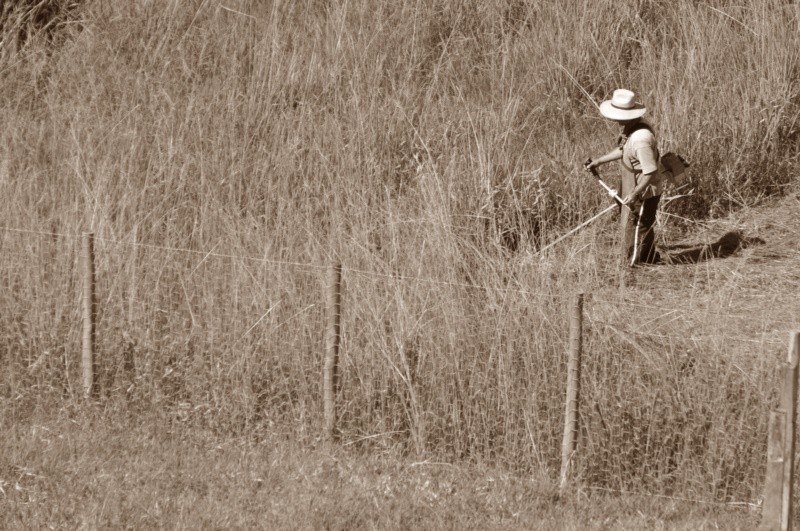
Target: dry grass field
(224, 153)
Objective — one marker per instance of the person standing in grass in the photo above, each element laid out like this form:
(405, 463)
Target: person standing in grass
(641, 184)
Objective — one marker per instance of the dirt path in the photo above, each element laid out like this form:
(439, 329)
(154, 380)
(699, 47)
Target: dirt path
(741, 272)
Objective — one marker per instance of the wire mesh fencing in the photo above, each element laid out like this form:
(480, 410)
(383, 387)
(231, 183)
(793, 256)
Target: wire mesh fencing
(431, 364)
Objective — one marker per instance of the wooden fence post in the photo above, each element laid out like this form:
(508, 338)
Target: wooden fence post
(88, 362)
(332, 338)
(789, 404)
(777, 513)
(570, 441)
(133, 291)
(771, 511)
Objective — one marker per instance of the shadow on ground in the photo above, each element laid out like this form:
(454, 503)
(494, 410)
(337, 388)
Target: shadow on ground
(727, 245)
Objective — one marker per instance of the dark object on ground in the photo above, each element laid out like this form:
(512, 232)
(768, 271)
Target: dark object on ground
(727, 245)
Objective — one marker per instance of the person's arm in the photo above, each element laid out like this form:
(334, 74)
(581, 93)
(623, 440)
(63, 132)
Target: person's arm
(614, 154)
(641, 186)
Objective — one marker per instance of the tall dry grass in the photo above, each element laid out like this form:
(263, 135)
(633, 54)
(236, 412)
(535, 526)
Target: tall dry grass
(438, 140)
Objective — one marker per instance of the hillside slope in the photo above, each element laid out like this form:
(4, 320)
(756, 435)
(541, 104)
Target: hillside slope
(743, 264)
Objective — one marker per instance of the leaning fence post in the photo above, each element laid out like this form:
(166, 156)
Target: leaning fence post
(570, 441)
(789, 404)
(333, 309)
(89, 306)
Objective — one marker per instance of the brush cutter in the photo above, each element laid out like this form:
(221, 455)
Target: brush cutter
(613, 193)
(576, 229)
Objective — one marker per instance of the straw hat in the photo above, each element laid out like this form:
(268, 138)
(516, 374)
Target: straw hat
(622, 106)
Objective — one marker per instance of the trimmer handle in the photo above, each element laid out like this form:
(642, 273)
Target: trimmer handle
(593, 171)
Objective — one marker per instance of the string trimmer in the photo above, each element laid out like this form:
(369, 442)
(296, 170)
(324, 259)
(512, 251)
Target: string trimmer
(611, 192)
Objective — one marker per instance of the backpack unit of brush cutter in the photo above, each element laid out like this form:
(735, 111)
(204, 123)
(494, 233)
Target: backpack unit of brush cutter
(670, 165)
(673, 169)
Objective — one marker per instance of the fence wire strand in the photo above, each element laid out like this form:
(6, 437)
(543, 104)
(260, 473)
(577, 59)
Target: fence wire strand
(374, 274)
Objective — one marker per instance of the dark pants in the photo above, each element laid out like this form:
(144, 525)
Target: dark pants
(642, 216)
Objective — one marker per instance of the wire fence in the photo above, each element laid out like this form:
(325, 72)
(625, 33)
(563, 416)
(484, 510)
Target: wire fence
(391, 388)
(618, 303)
(205, 254)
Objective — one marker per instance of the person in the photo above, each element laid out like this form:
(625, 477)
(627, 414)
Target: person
(641, 183)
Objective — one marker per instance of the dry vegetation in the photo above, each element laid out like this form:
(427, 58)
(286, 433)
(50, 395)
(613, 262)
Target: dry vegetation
(225, 152)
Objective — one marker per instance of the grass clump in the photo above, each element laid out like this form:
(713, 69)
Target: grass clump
(96, 470)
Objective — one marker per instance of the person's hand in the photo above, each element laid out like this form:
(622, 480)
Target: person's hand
(631, 199)
(590, 165)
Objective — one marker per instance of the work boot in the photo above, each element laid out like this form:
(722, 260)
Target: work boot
(652, 258)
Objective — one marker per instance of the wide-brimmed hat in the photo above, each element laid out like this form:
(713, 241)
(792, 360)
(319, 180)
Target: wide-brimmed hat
(622, 106)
